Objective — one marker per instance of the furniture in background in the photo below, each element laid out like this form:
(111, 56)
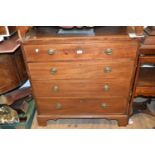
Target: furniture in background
(6, 31)
(12, 68)
(145, 77)
(12, 76)
(81, 76)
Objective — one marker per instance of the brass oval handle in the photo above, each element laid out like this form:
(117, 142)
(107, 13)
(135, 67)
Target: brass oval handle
(108, 51)
(51, 51)
(106, 87)
(104, 105)
(58, 105)
(107, 69)
(53, 71)
(55, 88)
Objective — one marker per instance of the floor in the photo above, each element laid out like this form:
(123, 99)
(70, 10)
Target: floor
(138, 121)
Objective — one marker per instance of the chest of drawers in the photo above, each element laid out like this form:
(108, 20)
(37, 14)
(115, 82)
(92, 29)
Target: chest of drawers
(81, 76)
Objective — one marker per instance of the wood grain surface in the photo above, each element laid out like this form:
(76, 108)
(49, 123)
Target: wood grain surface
(91, 51)
(81, 88)
(82, 70)
(83, 106)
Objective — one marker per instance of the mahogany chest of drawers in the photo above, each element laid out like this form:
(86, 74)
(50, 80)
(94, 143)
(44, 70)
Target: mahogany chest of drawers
(80, 76)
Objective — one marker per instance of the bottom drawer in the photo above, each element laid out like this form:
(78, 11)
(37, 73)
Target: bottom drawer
(68, 106)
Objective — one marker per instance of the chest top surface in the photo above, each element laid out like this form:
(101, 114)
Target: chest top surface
(50, 34)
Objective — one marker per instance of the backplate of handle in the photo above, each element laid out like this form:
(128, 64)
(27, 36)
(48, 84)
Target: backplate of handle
(108, 51)
(107, 69)
(53, 71)
(104, 105)
(106, 87)
(58, 105)
(50, 51)
(55, 88)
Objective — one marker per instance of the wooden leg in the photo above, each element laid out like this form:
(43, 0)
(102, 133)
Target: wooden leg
(123, 121)
(42, 121)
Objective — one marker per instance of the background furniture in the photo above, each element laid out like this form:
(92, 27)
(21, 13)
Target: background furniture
(13, 75)
(12, 68)
(6, 31)
(145, 78)
(81, 76)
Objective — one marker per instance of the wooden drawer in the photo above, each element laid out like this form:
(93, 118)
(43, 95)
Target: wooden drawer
(81, 88)
(81, 70)
(56, 52)
(145, 91)
(89, 106)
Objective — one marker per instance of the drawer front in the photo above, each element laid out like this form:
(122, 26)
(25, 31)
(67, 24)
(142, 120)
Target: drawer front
(70, 106)
(81, 88)
(57, 52)
(81, 70)
(145, 91)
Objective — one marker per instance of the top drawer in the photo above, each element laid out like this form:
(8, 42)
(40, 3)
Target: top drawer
(56, 52)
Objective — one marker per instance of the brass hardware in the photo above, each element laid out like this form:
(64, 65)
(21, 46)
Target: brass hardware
(55, 88)
(103, 105)
(51, 51)
(58, 105)
(106, 87)
(53, 71)
(108, 51)
(141, 55)
(107, 69)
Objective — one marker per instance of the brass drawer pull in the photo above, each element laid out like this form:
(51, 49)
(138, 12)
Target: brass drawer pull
(107, 69)
(106, 87)
(51, 51)
(108, 51)
(58, 105)
(53, 71)
(55, 88)
(104, 105)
